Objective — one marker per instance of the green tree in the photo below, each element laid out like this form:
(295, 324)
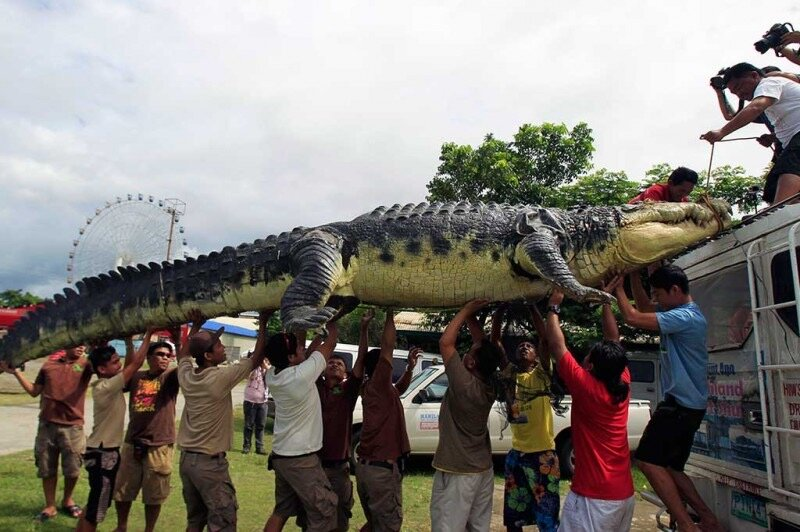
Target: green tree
(734, 186)
(18, 298)
(602, 187)
(524, 170)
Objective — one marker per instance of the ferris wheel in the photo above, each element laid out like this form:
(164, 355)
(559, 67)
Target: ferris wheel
(132, 230)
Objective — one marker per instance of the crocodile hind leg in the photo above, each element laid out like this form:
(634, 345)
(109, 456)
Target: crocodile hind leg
(539, 253)
(316, 267)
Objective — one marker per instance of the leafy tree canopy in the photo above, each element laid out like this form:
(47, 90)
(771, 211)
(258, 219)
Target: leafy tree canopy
(602, 187)
(18, 298)
(521, 171)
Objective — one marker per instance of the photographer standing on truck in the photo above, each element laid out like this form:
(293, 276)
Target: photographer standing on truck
(779, 99)
(667, 440)
(718, 84)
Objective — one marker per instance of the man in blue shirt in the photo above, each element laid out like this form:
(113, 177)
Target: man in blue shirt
(667, 441)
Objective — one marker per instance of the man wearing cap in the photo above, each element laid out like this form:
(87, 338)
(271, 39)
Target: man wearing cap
(206, 429)
(146, 455)
(779, 99)
(62, 383)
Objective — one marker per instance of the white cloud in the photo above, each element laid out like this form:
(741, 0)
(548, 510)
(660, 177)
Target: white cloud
(267, 115)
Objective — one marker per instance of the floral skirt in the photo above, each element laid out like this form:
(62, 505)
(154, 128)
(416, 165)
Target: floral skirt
(531, 494)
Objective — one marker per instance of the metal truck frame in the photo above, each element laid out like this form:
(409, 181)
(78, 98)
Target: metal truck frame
(745, 460)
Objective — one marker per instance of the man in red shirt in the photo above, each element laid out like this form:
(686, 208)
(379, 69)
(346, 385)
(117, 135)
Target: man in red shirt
(601, 497)
(680, 184)
(62, 382)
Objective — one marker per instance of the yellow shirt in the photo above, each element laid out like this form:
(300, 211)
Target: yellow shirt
(537, 434)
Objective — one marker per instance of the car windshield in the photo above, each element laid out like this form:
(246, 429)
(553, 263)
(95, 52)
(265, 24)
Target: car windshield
(424, 374)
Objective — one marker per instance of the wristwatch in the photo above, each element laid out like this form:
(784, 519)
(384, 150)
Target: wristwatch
(555, 309)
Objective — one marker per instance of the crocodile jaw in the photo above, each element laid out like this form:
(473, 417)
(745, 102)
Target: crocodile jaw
(660, 230)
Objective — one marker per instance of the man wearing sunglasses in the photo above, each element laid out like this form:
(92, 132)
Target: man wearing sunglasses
(147, 453)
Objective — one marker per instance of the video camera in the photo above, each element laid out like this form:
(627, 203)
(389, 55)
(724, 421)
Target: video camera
(772, 38)
(718, 81)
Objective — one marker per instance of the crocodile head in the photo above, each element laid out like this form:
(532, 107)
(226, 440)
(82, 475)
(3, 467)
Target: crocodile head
(652, 231)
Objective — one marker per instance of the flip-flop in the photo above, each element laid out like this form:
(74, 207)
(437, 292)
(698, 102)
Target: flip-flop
(72, 511)
(43, 516)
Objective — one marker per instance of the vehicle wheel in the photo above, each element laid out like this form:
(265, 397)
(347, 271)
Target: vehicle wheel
(355, 438)
(566, 456)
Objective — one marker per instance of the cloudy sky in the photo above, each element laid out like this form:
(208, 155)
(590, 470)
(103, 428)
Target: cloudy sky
(263, 115)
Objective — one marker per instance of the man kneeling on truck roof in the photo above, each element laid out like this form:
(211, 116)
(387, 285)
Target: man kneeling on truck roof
(667, 440)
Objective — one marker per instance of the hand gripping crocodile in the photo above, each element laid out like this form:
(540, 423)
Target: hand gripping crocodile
(429, 256)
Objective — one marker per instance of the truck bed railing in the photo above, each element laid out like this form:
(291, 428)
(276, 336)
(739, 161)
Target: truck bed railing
(769, 373)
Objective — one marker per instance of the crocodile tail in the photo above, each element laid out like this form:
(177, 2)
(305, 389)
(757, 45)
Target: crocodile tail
(129, 300)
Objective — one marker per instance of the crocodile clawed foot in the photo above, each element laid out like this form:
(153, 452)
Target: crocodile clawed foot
(591, 295)
(307, 317)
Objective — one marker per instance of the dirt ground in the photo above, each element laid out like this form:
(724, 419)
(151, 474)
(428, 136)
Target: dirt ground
(644, 515)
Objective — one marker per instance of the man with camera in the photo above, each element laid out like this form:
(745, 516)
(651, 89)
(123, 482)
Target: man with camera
(779, 99)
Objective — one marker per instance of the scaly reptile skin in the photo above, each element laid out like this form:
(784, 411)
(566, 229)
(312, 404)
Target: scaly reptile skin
(423, 256)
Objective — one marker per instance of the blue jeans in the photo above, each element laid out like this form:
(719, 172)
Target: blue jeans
(255, 416)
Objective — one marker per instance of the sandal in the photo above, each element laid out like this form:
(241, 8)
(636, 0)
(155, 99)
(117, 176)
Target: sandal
(43, 516)
(72, 511)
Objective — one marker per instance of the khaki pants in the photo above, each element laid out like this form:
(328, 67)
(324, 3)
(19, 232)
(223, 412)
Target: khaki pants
(150, 473)
(462, 501)
(301, 487)
(381, 492)
(53, 440)
(208, 492)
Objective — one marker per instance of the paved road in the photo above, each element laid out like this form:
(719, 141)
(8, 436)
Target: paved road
(18, 423)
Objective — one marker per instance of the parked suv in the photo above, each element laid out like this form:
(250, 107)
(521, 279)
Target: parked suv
(423, 398)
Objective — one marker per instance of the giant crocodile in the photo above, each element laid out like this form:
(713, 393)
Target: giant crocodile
(429, 256)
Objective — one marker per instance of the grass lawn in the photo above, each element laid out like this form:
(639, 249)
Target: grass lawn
(21, 494)
(16, 399)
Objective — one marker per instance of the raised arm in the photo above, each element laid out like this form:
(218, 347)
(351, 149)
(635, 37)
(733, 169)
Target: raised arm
(389, 337)
(497, 333)
(607, 318)
(32, 388)
(447, 342)
(363, 342)
(136, 357)
(541, 331)
(640, 296)
(632, 316)
(553, 333)
(198, 320)
(327, 347)
(130, 353)
(475, 330)
(405, 379)
(260, 349)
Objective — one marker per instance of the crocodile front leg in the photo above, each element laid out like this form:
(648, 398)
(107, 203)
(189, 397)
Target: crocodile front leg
(539, 253)
(316, 266)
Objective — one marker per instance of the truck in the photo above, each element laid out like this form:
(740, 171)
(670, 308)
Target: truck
(745, 459)
(423, 398)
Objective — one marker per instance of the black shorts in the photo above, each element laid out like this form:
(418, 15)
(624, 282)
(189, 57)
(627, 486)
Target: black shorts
(788, 162)
(667, 439)
(102, 466)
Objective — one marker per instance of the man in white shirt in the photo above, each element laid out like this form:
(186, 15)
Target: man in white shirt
(300, 480)
(779, 99)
